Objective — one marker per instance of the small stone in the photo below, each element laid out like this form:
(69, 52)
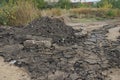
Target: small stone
(13, 62)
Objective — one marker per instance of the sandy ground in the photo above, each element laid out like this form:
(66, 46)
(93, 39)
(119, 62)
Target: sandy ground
(113, 33)
(113, 74)
(88, 26)
(11, 72)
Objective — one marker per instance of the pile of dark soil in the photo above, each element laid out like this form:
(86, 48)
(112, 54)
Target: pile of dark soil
(42, 49)
(52, 28)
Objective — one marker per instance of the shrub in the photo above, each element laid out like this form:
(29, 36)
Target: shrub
(110, 13)
(19, 13)
(65, 4)
(105, 4)
(6, 15)
(24, 13)
(41, 4)
(3, 18)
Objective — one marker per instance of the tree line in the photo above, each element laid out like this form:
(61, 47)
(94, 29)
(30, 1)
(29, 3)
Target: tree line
(41, 4)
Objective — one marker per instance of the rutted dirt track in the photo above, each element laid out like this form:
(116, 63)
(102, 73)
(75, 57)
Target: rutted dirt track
(50, 50)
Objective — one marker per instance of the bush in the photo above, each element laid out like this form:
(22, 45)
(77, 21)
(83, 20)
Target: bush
(105, 4)
(6, 15)
(110, 13)
(19, 13)
(65, 4)
(41, 4)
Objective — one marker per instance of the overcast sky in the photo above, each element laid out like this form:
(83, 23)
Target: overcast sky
(91, 0)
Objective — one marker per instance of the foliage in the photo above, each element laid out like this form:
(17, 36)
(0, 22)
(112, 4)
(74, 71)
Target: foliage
(116, 3)
(64, 4)
(105, 4)
(109, 4)
(3, 18)
(40, 3)
(110, 13)
(19, 13)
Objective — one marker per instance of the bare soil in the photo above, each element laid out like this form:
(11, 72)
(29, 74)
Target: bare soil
(48, 49)
(10, 72)
(114, 33)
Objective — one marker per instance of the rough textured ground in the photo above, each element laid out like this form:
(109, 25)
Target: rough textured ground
(11, 72)
(50, 50)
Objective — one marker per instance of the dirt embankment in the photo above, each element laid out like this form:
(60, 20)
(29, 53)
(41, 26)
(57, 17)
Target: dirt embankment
(50, 50)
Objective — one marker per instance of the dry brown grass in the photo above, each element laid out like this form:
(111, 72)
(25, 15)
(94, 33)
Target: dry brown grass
(24, 13)
(97, 12)
(19, 14)
(53, 12)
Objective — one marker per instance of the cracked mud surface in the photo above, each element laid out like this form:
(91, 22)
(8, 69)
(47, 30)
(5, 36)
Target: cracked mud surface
(50, 50)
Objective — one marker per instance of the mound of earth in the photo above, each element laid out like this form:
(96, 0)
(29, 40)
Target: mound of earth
(51, 28)
(42, 49)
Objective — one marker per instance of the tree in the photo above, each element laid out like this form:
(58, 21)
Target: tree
(109, 4)
(64, 4)
(116, 3)
(40, 3)
(105, 4)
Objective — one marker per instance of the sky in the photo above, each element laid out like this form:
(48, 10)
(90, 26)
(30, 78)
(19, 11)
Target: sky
(92, 0)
